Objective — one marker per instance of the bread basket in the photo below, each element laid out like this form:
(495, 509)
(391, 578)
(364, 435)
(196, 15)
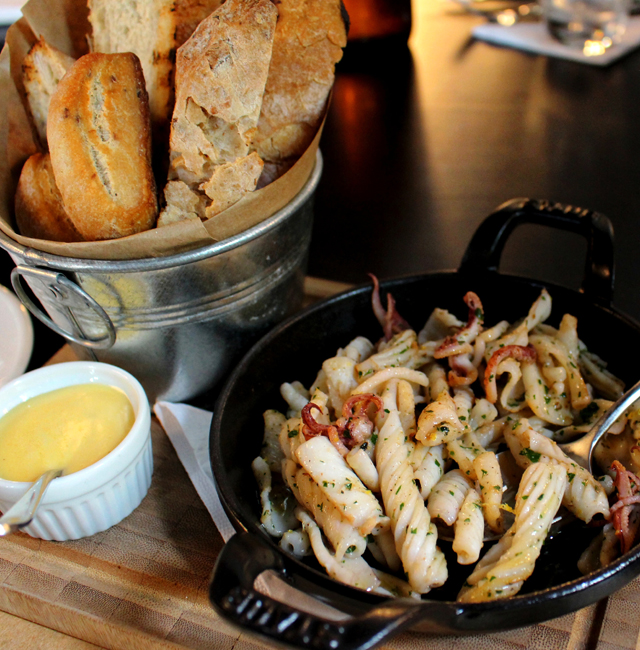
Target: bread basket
(177, 323)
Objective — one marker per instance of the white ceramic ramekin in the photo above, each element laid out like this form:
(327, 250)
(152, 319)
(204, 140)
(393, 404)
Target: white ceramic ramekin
(101, 495)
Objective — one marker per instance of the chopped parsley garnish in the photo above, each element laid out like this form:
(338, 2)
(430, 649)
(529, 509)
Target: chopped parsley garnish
(533, 456)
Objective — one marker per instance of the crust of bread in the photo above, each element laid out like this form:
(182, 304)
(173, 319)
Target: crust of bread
(230, 182)
(39, 209)
(182, 203)
(189, 14)
(221, 72)
(309, 38)
(42, 69)
(100, 142)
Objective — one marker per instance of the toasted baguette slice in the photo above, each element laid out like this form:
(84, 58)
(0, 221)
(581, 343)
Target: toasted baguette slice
(153, 30)
(308, 43)
(100, 143)
(221, 72)
(39, 209)
(42, 69)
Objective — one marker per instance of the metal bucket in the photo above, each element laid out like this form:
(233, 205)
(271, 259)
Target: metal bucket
(176, 323)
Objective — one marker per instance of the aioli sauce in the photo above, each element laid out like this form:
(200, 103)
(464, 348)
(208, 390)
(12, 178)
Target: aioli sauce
(69, 428)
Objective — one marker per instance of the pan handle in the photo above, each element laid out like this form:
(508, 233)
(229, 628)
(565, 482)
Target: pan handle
(485, 248)
(245, 556)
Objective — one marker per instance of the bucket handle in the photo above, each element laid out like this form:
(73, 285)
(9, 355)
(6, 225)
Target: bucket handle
(60, 285)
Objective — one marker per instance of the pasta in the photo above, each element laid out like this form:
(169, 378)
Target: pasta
(399, 447)
(537, 502)
(428, 464)
(415, 536)
(489, 477)
(341, 485)
(296, 542)
(342, 534)
(353, 571)
(447, 496)
(439, 422)
(469, 529)
(584, 494)
(276, 521)
(295, 395)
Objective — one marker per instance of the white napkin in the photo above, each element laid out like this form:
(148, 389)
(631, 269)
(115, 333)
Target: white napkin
(534, 37)
(188, 430)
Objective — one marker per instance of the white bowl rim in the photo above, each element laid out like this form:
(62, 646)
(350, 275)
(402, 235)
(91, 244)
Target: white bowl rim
(49, 378)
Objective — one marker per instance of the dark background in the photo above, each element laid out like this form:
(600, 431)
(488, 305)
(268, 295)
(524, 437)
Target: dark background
(422, 143)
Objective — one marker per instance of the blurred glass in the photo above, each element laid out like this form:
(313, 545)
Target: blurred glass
(378, 18)
(592, 25)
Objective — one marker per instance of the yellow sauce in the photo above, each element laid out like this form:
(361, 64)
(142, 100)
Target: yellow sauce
(69, 428)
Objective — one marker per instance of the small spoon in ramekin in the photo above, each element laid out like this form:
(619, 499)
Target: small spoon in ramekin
(24, 509)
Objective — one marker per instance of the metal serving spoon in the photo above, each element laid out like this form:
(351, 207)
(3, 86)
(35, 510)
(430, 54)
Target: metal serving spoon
(24, 509)
(581, 449)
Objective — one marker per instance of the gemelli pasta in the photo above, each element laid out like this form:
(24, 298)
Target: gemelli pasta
(399, 447)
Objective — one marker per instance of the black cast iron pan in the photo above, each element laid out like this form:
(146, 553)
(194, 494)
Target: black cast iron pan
(296, 349)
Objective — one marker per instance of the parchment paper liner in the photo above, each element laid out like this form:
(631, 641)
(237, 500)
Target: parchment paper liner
(64, 24)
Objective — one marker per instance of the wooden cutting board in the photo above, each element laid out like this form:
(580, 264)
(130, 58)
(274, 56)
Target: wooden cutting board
(143, 583)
